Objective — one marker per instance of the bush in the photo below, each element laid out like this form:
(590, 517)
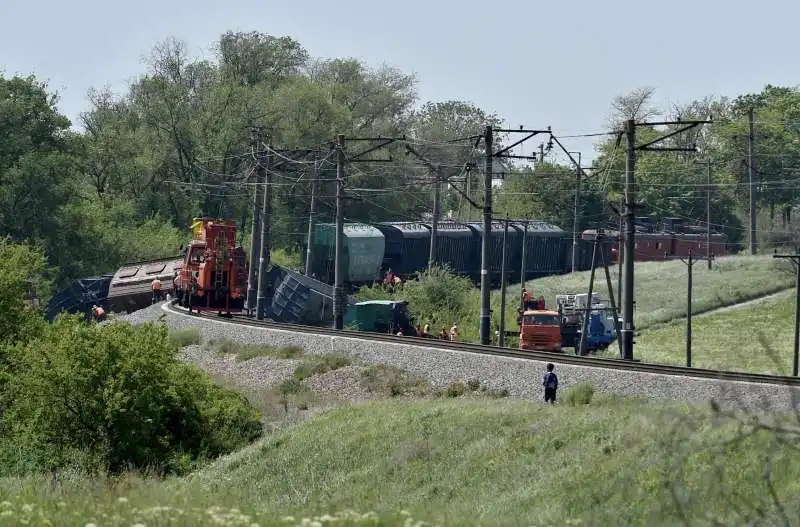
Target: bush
(435, 296)
(580, 394)
(117, 395)
(185, 337)
(246, 352)
(456, 389)
(392, 381)
(319, 364)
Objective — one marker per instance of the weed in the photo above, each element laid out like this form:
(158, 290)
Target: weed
(455, 389)
(185, 337)
(318, 364)
(246, 352)
(473, 385)
(392, 381)
(580, 394)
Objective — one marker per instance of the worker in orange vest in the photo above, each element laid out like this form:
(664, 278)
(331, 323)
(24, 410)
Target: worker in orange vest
(155, 285)
(98, 313)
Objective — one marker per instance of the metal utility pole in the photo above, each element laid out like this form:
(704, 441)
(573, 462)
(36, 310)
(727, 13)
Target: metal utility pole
(630, 244)
(255, 238)
(751, 182)
(501, 341)
(266, 220)
(338, 292)
(485, 245)
(796, 259)
(708, 214)
(575, 214)
(690, 263)
(620, 252)
(629, 213)
(585, 320)
(523, 274)
(437, 212)
(312, 212)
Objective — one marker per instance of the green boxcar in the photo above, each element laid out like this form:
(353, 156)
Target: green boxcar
(364, 248)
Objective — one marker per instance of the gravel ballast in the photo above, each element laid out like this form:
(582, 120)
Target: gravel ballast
(521, 377)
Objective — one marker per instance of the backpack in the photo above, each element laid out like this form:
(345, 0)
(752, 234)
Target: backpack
(550, 380)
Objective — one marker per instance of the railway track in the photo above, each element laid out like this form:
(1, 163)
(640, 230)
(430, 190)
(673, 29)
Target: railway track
(542, 356)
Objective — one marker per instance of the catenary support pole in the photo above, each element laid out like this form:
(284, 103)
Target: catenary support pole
(501, 341)
(312, 212)
(487, 236)
(796, 360)
(585, 319)
(750, 172)
(620, 251)
(611, 298)
(795, 258)
(689, 313)
(523, 274)
(708, 214)
(255, 235)
(266, 221)
(338, 292)
(437, 198)
(630, 243)
(575, 215)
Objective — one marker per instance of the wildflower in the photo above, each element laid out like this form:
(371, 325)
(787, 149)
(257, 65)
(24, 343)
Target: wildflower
(122, 499)
(27, 507)
(6, 513)
(138, 525)
(288, 519)
(90, 525)
(6, 504)
(405, 513)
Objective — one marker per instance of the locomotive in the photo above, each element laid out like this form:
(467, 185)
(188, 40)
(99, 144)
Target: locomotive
(214, 271)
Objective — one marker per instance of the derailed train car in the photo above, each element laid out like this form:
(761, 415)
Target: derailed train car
(130, 287)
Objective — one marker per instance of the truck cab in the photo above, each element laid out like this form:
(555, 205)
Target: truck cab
(601, 332)
(540, 330)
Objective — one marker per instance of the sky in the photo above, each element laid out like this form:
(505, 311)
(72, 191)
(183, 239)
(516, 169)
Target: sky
(534, 63)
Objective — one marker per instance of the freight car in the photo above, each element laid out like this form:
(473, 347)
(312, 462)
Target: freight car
(214, 271)
(654, 246)
(129, 289)
(371, 250)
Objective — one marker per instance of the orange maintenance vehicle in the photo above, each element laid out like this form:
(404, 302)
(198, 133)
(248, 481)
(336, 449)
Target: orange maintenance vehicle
(213, 274)
(540, 329)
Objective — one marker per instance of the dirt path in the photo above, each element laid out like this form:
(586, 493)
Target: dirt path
(747, 303)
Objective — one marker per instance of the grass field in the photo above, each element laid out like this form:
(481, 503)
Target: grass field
(757, 338)
(456, 462)
(661, 286)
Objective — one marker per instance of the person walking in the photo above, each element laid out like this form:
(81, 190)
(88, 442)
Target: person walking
(550, 384)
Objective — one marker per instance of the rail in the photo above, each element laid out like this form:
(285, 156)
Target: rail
(542, 356)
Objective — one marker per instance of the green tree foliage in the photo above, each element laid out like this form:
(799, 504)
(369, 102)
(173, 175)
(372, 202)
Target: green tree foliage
(117, 396)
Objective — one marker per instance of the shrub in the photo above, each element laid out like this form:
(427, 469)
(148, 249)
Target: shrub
(392, 381)
(473, 385)
(246, 352)
(185, 337)
(318, 364)
(118, 394)
(456, 389)
(580, 394)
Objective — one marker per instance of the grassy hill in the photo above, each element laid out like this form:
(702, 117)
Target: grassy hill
(661, 286)
(757, 338)
(456, 462)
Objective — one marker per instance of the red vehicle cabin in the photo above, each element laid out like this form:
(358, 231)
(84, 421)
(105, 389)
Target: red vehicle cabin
(213, 275)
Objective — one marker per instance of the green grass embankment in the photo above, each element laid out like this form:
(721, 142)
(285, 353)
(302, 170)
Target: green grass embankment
(458, 462)
(757, 338)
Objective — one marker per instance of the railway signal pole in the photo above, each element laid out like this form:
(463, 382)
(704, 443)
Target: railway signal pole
(630, 214)
(266, 220)
(255, 238)
(795, 258)
(690, 261)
